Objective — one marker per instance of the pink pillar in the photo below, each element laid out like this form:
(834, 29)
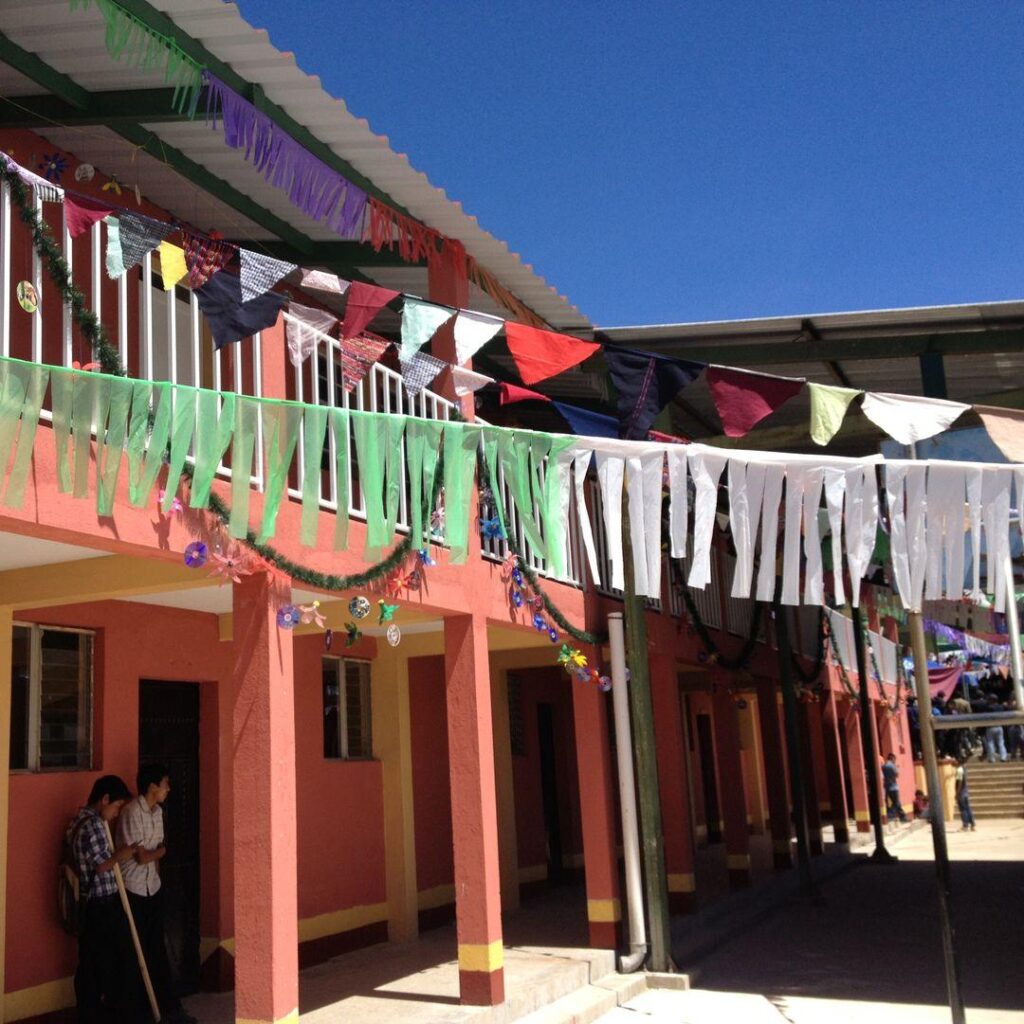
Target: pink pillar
(266, 907)
(597, 814)
(809, 723)
(834, 769)
(670, 748)
(732, 794)
(474, 811)
(775, 774)
(858, 778)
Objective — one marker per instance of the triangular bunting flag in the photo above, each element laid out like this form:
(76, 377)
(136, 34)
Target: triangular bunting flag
(204, 257)
(910, 418)
(358, 355)
(300, 327)
(230, 319)
(472, 332)
(140, 235)
(47, 191)
(115, 259)
(82, 213)
(321, 281)
(1006, 428)
(172, 264)
(743, 398)
(645, 383)
(466, 381)
(514, 393)
(541, 354)
(419, 322)
(828, 409)
(586, 423)
(419, 371)
(364, 302)
(259, 273)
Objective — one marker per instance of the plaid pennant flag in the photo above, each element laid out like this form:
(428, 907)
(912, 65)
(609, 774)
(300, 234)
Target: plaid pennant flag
(419, 371)
(140, 235)
(358, 355)
(260, 273)
(204, 257)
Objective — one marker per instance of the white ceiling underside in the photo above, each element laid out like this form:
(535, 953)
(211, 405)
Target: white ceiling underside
(20, 552)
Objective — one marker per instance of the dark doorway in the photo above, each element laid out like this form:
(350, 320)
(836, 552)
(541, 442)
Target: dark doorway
(549, 791)
(706, 752)
(169, 733)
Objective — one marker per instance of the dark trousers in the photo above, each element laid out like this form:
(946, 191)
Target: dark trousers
(104, 968)
(148, 912)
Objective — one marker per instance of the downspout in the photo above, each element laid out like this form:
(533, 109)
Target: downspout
(634, 959)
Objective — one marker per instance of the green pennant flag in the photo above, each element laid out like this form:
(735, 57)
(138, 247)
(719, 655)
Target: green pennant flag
(828, 408)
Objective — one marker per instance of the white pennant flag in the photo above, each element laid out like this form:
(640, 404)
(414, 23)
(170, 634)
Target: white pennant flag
(321, 281)
(910, 418)
(304, 326)
(419, 322)
(472, 332)
(468, 381)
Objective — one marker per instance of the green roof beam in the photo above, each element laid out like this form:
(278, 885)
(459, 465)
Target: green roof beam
(146, 106)
(32, 66)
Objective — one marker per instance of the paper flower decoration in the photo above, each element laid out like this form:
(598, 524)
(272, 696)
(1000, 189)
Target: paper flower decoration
(538, 603)
(176, 507)
(517, 577)
(196, 554)
(113, 185)
(328, 639)
(553, 634)
(228, 569)
(353, 634)
(85, 172)
(508, 566)
(604, 684)
(413, 580)
(565, 657)
(359, 607)
(491, 529)
(582, 675)
(516, 597)
(424, 556)
(53, 166)
(387, 612)
(76, 365)
(393, 635)
(437, 522)
(312, 613)
(539, 623)
(288, 616)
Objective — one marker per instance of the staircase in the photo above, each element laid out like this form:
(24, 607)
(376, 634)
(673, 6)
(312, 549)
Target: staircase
(997, 790)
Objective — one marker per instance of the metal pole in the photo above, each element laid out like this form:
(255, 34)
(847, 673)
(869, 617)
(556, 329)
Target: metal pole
(797, 793)
(1013, 628)
(937, 817)
(867, 738)
(627, 798)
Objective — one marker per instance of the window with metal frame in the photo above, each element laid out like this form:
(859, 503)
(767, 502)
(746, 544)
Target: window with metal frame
(346, 693)
(51, 698)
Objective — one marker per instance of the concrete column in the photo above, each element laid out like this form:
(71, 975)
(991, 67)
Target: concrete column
(731, 794)
(834, 768)
(6, 642)
(811, 777)
(670, 748)
(265, 885)
(474, 811)
(858, 780)
(597, 815)
(768, 698)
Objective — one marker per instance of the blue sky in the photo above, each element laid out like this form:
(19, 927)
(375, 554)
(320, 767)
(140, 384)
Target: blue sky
(662, 161)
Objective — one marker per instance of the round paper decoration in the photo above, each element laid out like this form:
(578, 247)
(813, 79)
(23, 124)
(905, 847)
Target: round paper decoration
(196, 554)
(288, 616)
(359, 607)
(394, 634)
(85, 172)
(28, 299)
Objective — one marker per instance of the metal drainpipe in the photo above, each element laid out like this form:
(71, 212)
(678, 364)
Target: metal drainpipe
(633, 960)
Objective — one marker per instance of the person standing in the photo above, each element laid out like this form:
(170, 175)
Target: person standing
(963, 796)
(995, 739)
(106, 961)
(891, 781)
(142, 826)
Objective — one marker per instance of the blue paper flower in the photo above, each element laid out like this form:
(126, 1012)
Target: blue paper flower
(425, 559)
(553, 635)
(53, 166)
(517, 577)
(539, 623)
(516, 597)
(491, 529)
(196, 554)
(288, 616)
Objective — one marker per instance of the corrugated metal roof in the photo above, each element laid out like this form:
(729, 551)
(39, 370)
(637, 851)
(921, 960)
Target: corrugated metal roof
(74, 46)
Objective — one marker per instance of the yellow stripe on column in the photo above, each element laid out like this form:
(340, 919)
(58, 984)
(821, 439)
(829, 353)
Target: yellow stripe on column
(682, 883)
(482, 958)
(604, 911)
(861, 816)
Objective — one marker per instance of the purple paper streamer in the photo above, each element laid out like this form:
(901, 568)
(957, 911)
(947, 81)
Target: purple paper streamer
(318, 191)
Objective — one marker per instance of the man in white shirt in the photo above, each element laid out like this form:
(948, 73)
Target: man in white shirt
(142, 822)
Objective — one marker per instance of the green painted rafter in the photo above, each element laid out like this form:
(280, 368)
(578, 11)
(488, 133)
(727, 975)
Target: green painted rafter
(141, 106)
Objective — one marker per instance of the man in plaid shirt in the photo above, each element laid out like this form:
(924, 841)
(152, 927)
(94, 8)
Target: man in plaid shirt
(105, 958)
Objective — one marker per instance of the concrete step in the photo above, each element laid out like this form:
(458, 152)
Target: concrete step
(580, 1007)
(549, 987)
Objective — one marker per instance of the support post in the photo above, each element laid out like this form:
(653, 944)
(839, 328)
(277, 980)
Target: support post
(831, 723)
(768, 700)
(6, 652)
(474, 811)
(811, 795)
(265, 868)
(858, 773)
(730, 772)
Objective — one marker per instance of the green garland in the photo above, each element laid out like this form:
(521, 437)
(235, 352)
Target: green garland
(843, 675)
(895, 706)
(711, 648)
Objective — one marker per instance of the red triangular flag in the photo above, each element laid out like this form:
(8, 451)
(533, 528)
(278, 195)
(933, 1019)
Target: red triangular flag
(542, 354)
(514, 393)
(744, 399)
(83, 213)
(365, 301)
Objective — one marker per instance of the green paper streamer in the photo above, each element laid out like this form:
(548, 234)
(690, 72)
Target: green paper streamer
(280, 432)
(62, 391)
(146, 449)
(550, 504)
(379, 453)
(393, 433)
(490, 445)
(314, 430)
(461, 444)
(34, 380)
(340, 433)
(247, 414)
(422, 450)
(183, 427)
(89, 409)
(110, 444)
(518, 453)
(214, 428)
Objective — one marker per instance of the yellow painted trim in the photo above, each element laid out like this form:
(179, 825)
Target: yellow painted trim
(288, 1018)
(39, 999)
(908, 808)
(604, 911)
(861, 816)
(682, 883)
(533, 873)
(484, 959)
(737, 861)
(341, 921)
(439, 896)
